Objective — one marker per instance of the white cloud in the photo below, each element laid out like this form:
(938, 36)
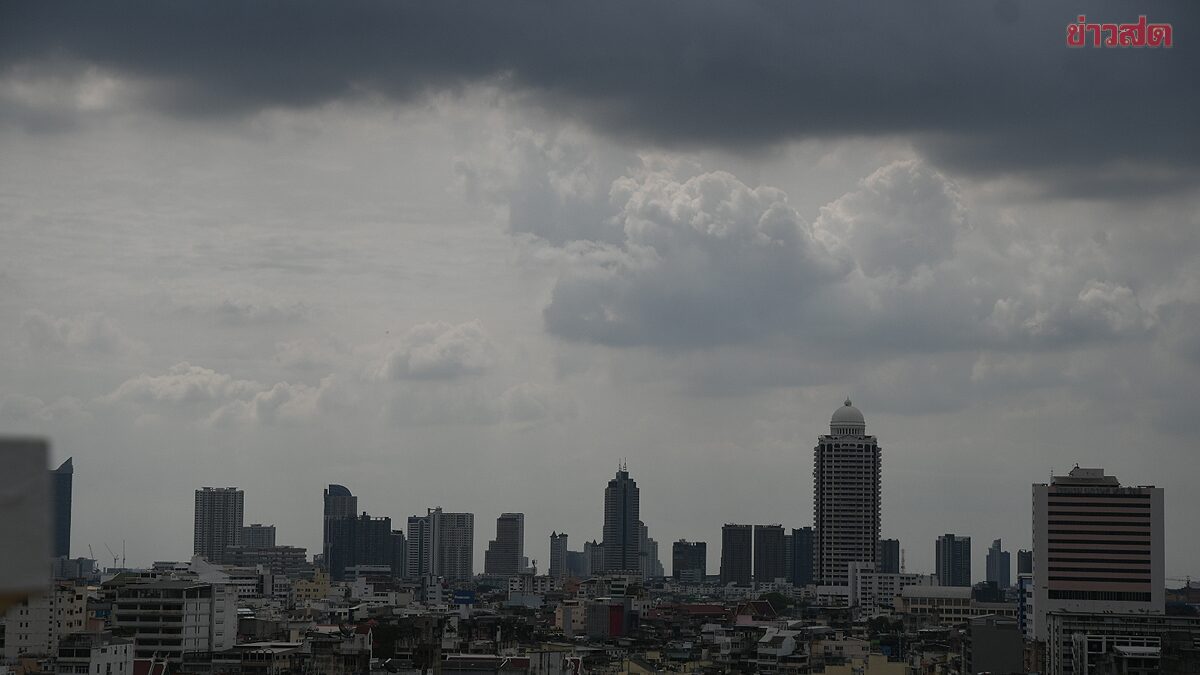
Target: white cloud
(439, 351)
(91, 333)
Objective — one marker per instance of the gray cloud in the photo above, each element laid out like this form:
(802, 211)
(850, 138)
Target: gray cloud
(440, 350)
(985, 86)
(91, 333)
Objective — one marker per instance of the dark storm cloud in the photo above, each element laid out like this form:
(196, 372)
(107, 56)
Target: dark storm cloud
(987, 86)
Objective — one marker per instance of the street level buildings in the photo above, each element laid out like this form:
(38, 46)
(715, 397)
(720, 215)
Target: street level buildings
(846, 497)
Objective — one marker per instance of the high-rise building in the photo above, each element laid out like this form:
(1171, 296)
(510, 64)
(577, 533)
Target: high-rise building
(504, 553)
(593, 553)
(952, 556)
(60, 482)
(399, 553)
(441, 544)
(339, 503)
(846, 503)
(558, 555)
(768, 553)
(889, 556)
(622, 532)
(355, 541)
(1024, 561)
(577, 565)
(689, 561)
(1097, 547)
(736, 551)
(802, 556)
(999, 566)
(257, 535)
(218, 521)
(648, 562)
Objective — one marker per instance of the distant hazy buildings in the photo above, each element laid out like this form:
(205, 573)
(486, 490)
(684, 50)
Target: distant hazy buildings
(218, 521)
(952, 559)
(737, 546)
(846, 501)
(1097, 547)
(1024, 562)
(802, 556)
(60, 486)
(558, 555)
(339, 503)
(593, 553)
(441, 544)
(689, 561)
(889, 556)
(999, 566)
(648, 561)
(768, 553)
(257, 536)
(504, 554)
(622, 530)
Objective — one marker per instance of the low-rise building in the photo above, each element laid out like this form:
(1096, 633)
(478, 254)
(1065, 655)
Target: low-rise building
(171, 617)
(34, 626)
(94, 653)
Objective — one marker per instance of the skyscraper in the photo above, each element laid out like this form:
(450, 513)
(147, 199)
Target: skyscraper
(558, 555)
(689, 561)
(358, 540)
(441, 544)
(218, 521)
(622, 532)
(952, 556)
(889, 556)
(1097, 547)
(999, 566)
(648, 561)
(60, 486)
(504, 553)
(1024, 561)
(339, 503)
(736, 551)
(802, 556)
(768, 553)
(846, 504)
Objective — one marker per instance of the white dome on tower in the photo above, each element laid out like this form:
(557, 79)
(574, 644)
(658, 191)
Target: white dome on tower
(847, 420)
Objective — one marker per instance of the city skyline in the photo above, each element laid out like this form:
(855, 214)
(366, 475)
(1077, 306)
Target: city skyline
(440, 269)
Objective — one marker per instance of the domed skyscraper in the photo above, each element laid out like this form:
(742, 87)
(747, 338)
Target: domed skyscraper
(845, 498)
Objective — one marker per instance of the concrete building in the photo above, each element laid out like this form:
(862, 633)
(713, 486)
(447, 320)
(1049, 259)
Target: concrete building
(218, 521)
(993, 644)
(94, 654)
(689, 561)
(286, 560)
(358, 541)
(577, 565)
(171, 617)
(846, 501)
(1094, 643)
(60, 492)
(889, 556)
(339, 503)
(622, 532)
(1024, 562)
(504, 554)
(1097, 547)
(34, 626)
(875, 592)
(999, 566)
(768, 553)
(952, 559)
(257, 535)
(593, 552)
(737, 546)
(947, 605)
(441, 544)
(648, 562)
(399, 553)
(558, 555)
(802, 556)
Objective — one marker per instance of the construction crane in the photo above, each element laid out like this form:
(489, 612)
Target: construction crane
(115, 557)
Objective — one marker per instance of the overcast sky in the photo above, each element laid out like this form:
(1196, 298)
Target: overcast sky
(472, 255)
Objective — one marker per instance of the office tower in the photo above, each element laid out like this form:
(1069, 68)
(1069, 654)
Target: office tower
(218, 521)
(768, 553)
(1024, 561)
(504, 554)
(802, 556)
(736, 550)
(789, 560)
(648, 562)
(622, 533)
(355, 541)
(577, 565)
(60, 486)
(441, 544)
(889, 556)
(558, 555)
(1097, 547)
(689, 561)
(399, 553)
(999, 570)
(257, 536)
(339, 503)
(846, 475)
(593, 553)
(952, 556)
